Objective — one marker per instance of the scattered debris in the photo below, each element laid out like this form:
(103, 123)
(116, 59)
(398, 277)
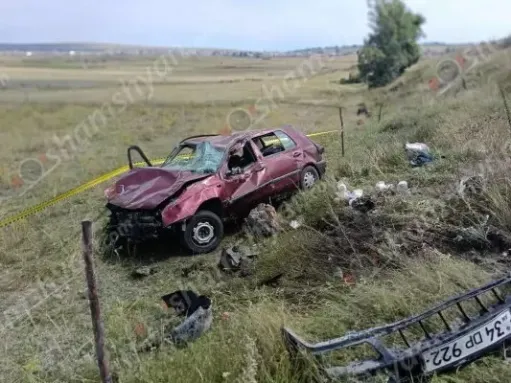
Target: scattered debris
(470, 186)
(184, 302)
(295, 224)
(362, 109)
(381, 186)
(144, 271)
(272, 281)
(262, 222)
(196, 323)
(355, 199)
(357, 193)
(237, 258)
(343, 194)
(418, 154)
(199, 318)
(189, 270)
(362, 204)
(402, 188)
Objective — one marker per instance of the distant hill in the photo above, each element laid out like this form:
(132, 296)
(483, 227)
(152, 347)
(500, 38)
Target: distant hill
(118, 49)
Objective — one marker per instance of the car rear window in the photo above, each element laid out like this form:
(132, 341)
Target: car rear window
(286, 141)
(272, 143)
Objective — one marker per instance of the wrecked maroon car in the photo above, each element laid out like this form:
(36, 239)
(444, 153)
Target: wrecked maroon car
(208, 180)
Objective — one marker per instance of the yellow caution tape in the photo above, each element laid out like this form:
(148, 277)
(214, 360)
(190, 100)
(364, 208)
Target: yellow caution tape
(70, 193)
(323, 133)
(89, 185)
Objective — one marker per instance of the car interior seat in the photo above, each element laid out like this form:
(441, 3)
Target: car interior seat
(235, 161)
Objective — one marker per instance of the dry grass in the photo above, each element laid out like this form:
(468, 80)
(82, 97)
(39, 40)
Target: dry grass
(41, 255)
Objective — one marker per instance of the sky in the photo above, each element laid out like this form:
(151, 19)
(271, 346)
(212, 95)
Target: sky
(237, 24)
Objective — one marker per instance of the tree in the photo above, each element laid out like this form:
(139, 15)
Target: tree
(392, 46)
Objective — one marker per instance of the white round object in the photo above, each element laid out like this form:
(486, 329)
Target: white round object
(341, 187)
(402, 186)
(380, 185)
(358, 193)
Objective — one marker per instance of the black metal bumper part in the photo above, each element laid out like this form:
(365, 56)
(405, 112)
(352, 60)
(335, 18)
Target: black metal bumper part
(436, 351)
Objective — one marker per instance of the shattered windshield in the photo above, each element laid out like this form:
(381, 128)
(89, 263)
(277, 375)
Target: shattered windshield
(202, 158)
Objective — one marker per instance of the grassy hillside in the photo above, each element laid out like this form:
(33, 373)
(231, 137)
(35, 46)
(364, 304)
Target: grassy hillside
(406, 255)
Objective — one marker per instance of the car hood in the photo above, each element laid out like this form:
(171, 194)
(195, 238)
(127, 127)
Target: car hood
(146, 188)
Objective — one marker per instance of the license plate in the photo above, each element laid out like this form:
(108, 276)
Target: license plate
(477, 340)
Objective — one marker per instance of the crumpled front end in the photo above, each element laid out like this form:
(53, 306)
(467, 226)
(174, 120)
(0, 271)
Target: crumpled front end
(137, 199)
(134, 225)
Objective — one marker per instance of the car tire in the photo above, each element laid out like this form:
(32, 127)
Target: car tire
(203, 232)
(308, 177)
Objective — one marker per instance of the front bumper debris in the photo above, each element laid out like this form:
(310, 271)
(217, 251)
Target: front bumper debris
(457, 320)
(134, 225)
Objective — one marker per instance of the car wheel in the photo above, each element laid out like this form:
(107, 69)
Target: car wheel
(309, 177)
(204, 232)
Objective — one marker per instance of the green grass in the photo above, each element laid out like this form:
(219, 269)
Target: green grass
(402, 256)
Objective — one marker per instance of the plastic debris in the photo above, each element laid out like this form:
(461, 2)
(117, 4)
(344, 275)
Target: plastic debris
(195, 325)
(271, 281)
(198, 315)
(144, 271)
(417, 147)
(236, 258)
(355, 199)
(184, 302)
(418, 154)
(357, 193)
(402, 188)
(381, 186)
(343, 194)
(472, 185)
(295, 224)
(362, 204)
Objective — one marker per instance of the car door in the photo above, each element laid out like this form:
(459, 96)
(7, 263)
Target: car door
(251, 186)
(282, 156)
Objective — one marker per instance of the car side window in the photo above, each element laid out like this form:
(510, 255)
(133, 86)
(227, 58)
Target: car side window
(242, 159)
(269, 144)
(287, 142)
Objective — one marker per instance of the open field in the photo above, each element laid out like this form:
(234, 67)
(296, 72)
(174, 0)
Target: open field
(78, 122)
